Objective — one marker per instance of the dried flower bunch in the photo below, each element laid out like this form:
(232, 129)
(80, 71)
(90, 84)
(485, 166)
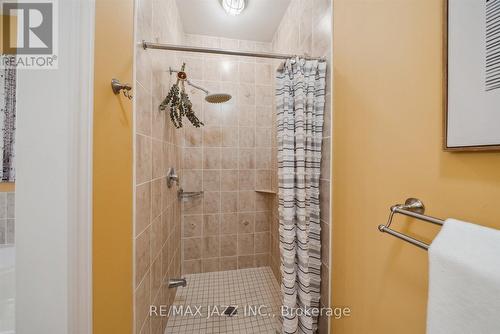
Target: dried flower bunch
(178, 102)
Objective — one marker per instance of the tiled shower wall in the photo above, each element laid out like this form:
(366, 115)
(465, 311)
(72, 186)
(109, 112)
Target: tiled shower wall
(7, 218)
(229, 159)
(157, 227)
(306, 28)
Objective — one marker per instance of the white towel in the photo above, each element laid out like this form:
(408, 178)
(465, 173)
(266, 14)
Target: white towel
(464, 280)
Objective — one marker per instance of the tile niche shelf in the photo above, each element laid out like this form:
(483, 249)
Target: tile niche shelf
(266, 191)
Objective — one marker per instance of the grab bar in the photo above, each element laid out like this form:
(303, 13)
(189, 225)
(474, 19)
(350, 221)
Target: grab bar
(413, 208)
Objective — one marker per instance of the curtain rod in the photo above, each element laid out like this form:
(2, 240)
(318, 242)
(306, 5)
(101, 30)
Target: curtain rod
(157, 46)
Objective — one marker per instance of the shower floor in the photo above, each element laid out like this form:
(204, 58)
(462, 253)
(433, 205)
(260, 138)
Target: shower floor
(215, 291)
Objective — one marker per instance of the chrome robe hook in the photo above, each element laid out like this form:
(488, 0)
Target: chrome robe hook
(118, 87)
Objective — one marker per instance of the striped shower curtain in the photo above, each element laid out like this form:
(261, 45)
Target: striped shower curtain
(7, 123)
(300, 103)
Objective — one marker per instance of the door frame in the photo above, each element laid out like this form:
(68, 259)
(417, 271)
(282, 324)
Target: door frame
(80, 245)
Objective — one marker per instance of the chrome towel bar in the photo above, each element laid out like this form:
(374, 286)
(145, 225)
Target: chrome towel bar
(412, 208)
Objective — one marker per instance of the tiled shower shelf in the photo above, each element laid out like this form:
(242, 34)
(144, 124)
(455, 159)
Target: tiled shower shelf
(266, 191)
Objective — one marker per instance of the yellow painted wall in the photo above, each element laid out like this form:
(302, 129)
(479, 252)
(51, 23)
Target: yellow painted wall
(11, 32)
(112, 202)
(7, 187)
(387, 146)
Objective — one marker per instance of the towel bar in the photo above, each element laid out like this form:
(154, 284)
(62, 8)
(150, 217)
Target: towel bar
(412, 208)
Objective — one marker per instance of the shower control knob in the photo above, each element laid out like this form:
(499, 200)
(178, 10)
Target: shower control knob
(172, 177)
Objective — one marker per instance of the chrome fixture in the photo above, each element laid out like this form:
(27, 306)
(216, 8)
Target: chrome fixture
(210, 98)
(176, 282)
(181, 194)
(412, 208)
(118, 87)
(173, 47)
(233, 7)
(172, 177)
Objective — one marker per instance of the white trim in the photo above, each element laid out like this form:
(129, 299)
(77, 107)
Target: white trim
(54, 180)
(80, 232)
(332, 180)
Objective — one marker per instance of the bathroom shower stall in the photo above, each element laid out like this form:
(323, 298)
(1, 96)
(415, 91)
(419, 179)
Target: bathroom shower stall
(207, 188)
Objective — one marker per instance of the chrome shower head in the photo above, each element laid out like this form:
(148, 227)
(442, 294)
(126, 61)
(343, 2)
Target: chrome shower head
(212, 98)
(217, 97)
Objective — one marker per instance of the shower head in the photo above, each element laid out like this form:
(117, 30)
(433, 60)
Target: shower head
(212, 98)
(217, 98)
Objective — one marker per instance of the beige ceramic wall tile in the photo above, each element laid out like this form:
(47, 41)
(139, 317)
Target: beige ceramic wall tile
(262, 221)
(263, 116)
(246, 261)
(191, 267)
(211, 225)
(229, 223)
(228, 245)
(142, 298)
(228, 158)
(210, 265)
(228, 263)
(263, 179)
(247, 115)
(246, 158)
(211, 246)
(261, 260)
(143, 163)
(246, 223)
(229, 137)
(192, 248)
(212, 158)
(211, 202)
(245, 244)
(246, 94)
(156, 199)
(229, 180)
(263, 137)
(193, 158)
(143, 110)
(247, 179)
(262, 242)
(143, 207)
(193, 226)
(192, 137)
(246, 201)
(211, 180)
(247, 72)
(142, 255)
(229, 201)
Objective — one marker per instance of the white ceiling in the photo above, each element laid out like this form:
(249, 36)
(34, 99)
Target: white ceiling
(258, 22)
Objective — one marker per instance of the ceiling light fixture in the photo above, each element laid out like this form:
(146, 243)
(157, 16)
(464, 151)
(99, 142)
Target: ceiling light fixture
(233, 7)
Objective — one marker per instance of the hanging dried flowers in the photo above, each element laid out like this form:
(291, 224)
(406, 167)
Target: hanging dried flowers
(178, 102)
